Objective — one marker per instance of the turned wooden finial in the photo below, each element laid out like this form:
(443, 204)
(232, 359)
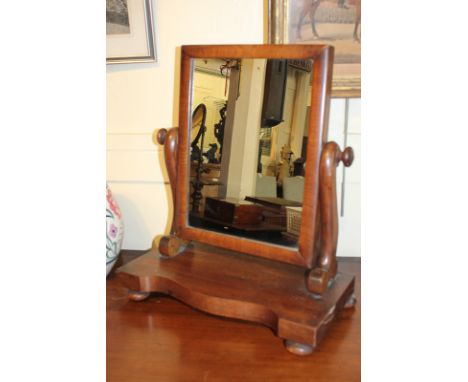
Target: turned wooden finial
(346, 156)
(161, 136)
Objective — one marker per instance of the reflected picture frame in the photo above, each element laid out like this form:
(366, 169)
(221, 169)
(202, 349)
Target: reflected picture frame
(283, 16)
(130, 32)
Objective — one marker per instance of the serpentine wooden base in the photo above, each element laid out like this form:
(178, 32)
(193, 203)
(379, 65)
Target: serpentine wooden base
(243, 287)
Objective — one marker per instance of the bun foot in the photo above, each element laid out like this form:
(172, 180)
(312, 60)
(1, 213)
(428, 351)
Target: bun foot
(137, 295)
(298, 348)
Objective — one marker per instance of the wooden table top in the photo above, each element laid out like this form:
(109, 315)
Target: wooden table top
(161, 339)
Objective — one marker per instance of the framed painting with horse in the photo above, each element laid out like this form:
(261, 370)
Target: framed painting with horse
(331, 22)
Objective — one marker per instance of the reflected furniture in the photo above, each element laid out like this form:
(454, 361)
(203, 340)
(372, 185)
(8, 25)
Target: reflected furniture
(293, 289)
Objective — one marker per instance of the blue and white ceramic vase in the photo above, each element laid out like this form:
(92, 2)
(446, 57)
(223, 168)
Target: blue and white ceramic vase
(114, 230)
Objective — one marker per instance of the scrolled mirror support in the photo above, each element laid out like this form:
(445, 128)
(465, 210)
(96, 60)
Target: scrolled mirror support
(171, 245)
(321, 276)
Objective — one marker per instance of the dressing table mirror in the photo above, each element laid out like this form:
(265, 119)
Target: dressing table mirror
(253, 177)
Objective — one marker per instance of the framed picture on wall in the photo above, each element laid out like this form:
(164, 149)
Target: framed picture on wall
(331, 22)
(130, 31)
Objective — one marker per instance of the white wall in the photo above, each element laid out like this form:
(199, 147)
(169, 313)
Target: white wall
(345, 129)
(141, 98)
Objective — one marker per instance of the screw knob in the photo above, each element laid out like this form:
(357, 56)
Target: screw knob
(162, 133)
(347, 156)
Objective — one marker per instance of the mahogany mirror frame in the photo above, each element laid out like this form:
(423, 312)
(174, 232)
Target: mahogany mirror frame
(305, 254)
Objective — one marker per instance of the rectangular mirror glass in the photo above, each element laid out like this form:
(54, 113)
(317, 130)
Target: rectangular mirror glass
(248, 140)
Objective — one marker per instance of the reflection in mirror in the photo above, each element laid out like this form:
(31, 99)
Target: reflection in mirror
(248, 147)
(196, 153)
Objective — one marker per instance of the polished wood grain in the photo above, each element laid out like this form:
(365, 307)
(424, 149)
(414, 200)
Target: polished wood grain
(171, 245)
(321, 275)
(322, 55)
(235, 285)
(161, 339)
(169, 139)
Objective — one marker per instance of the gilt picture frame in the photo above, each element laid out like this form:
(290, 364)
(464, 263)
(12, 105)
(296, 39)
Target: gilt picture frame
(332, 22)
(130, 32)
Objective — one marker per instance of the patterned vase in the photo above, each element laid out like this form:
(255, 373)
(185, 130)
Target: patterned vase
(114, 230)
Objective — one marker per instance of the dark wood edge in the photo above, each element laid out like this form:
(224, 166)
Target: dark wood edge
(183, 168)
(318, 132)
(244, 245)
(255, 51)
(128, 255)
(323, 58)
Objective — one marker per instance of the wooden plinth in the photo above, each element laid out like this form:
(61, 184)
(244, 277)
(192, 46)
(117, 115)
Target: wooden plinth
(242, 287)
